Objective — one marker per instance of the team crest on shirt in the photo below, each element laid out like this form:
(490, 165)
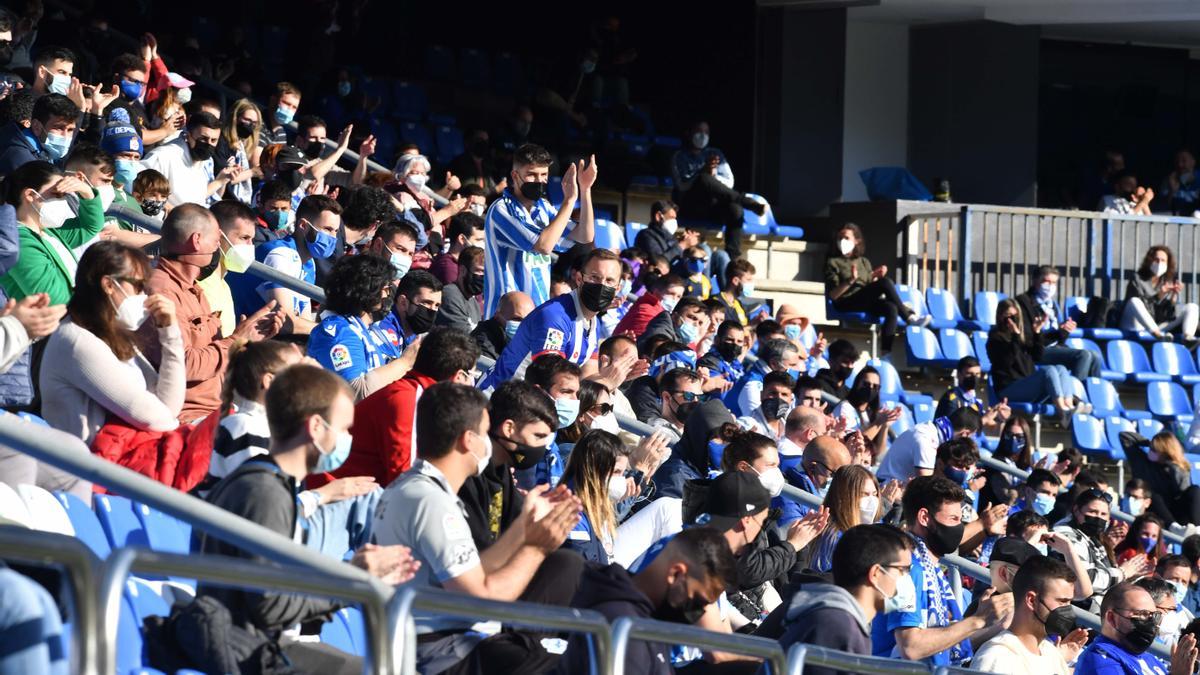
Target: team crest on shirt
(554, 341)
(331, 329)
(391, 336)
(340, 357)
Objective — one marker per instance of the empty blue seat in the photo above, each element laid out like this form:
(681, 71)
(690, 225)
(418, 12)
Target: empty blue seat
(943, 307)
(609, 235)
(1113, 426)
(449, 142)
(336, 634)
(1091, 346)
(848, 318)
(631, 231)
(507, 74)
(979, 340)
(439, 63)
(86, 524)
(1129, 358)
(1175, 360)
(923, 412)
(902, 423)
(474, 67)
(1168, 401)
(1089, 436)
(417, 134)
(1149, 428)
(119, 521)
(955, 344)
(986, 303)
(1105, 401)
(129, 639)
(643, 181)
(890, 386)
(923, 349)
(409, 101)
(164, 533)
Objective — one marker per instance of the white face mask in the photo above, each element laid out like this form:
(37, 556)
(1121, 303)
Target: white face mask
(846, 246)
(867, 507)
(476, 208)
(54, 212)
(59, 84)
(771, 479)
(184, 96)
(401, 263)
(416, 182)
(107, 194)
(700, 140)
(616, 488)
(1158, 268)
(670, 225)
(669, 303)
(482, 462)
(1047, 291)
(131, 313)
(606, 423)
(905, 598)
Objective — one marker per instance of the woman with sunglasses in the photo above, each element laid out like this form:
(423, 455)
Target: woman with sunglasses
(1015, 354)
(862, 411)
(93, 369)
(1089, 522)
(595, 412)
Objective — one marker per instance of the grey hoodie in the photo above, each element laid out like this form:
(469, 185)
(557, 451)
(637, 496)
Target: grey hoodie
(826, 615)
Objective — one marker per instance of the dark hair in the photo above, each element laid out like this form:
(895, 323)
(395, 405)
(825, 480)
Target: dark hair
(1191, 548)
(589, 393)
(464, 223)
(247, 365)
(930, 493)
(675, 378)
(1036, 572)
(299, 392)
(86, 154)
(124, 63)
(958, 451)
(531, 154)
(1023, 460)
(355, 284)
(466, 260)
(1137, 484)
(767, 328)
(54, 105)
(523, 403)
(543, 369)
(471, 190)
(778, 377)
(90, 307)
(598, 254)
(29, 176)
(806, 383)
(860, 244)
(274, 191)
(1041, 273)
(660, 283)
(51, 53)
(204, 120)
(1132, 538)
(609, 346)
(1040, 476)
(967, 362)
(706, 551)
(863, 547)
(739, 267)
(306, 122)
(1116, 595)
(686, 302)
(312, 206)
(842, 348)
(1144, 270)
(415, 280)
(1158, 589)
(662, 206)
(966, 419)
(444, 352)
(387, 230)
(17, 106)
(368, 205)
(1023, 520)
(727, 326)
(1166, 562)
(445, 412)
(227, 211)
(745, 446)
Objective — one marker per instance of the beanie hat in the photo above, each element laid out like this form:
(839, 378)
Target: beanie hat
(120, 135)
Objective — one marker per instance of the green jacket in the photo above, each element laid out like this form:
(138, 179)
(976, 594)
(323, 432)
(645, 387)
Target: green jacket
(837, 272)
(39, 268)
(126, 200)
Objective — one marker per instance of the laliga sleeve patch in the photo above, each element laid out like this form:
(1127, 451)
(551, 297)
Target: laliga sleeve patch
(339, 356)
(554, 341)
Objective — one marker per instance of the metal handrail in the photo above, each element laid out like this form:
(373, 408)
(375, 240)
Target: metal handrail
(628, 628)
(80, 564)
(1069, 213)
(410, 599)
(801, 655)
(239, 573)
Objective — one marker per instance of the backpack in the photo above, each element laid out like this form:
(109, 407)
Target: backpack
(202, 636)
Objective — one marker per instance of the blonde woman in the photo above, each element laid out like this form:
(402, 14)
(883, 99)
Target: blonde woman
(1168, 473)
(239, 144)
(595, 473)
(853, 499)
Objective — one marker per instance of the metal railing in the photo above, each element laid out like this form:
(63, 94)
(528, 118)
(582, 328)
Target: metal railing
(627, 628)
(928, 250)
(79, 564)
(801, 655)
(409, 600)
(238, 573)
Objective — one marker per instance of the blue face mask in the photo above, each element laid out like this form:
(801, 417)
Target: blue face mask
(127, 170)
(568, 411)
(957, 475)
(322, 245)
(1179, 590)
(131, 90)
(794, 372)
(696, 265)
(344, 88)
(332, 460)
(510, 328)
(284, 117)
(1148, 543)
(792, 331)
(626, 287)
(278, 220)
(688, 332)
(57, 146)
(1042, 504)
(716, 450)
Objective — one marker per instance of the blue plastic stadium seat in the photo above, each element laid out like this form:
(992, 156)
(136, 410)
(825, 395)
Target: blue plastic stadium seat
(955, 344)
(439, 63)
(1175, 360)
(409, 101)
(1105, 401)
(86, 524)
(902, 423)
(441, 119)
(669, 141)
(609, 235)
(923, 412)
(986, 303)
(554, 191)
(1113, 426)
(129, 639)
(631, 231)
(1091, 346)
(1167, 401)
(449, 141)
(336, 634)
(119, 521)
(753, 223)
(943, 307)
(979, 339)
(1148, 428)
(507, 75)
(848, 318)
(1075, 307)
(1089, 436)
(789, 231)
(923, 349)
(164, 533)
(474, 67)
(911, 297)
(418, 134)
(1129, 358)
(643, 181)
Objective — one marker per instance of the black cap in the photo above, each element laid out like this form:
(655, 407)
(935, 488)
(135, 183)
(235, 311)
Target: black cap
(290, 157)
(732, 496)
(1013, 550)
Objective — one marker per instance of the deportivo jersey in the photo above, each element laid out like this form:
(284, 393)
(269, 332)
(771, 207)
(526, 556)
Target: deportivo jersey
(348, 347)
(554, 326)
(511, 264)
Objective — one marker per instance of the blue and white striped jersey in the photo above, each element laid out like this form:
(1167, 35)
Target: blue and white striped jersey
(511, 264)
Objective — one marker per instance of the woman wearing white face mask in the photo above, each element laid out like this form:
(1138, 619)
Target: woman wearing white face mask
(412, 175)
(48, 229)
(1152, 299)
(595, 412)
(595, 473)
(853, 499)
(852, 285)
(93, 370)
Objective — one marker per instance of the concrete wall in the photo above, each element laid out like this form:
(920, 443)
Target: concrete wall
(875, 119)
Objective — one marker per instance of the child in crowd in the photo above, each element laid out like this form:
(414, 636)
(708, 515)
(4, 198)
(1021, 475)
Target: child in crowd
(150, 190)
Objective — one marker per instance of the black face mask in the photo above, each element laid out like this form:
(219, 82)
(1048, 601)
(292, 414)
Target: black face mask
(687, 612)
(969, 383)
(860, 395)
(201, 151)
(774, 408)
(420, 318)
(290, 178)
(207, 270)
(1059, 621)
(729, 351)
(841, 372)
(244, 129)
(6, 52)
(385, 306)
(944, 539)
(533, 190)
(595, 297)
(473, 284)
(683, 410)
(523, 456)
(314, 149)
(1092, 526)
(1141, 634)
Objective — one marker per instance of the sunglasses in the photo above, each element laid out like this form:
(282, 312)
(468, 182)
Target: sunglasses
(687, 395)
(1095, 493)
(604, 408)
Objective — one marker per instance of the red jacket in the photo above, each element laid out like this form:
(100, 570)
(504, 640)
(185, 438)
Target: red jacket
(384, 433)
(176, 458)
(639, 315)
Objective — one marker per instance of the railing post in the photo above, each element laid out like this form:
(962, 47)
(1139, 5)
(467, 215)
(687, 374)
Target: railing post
(621, 629)
(795, 659)
(1107, 255)
(966, 287)
(111, 594)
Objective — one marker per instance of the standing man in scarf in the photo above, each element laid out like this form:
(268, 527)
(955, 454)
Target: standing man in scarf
(933, 629)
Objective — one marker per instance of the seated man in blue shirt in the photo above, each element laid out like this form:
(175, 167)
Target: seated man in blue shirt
(934, 630)
(558, 378)
(1128, 625)
(725, 357)
(704, 188)
(315, 238)
(415, 307)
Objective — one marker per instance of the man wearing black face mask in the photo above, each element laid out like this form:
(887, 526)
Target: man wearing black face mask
(685, 575)
(963, 395)
(1042, 590)
(187, 162)
(934, 631)
(460, 300)
(769, 417)
(522, 422)
(679, 395)
(1129, 624)
(417, 301)
(842, 357)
